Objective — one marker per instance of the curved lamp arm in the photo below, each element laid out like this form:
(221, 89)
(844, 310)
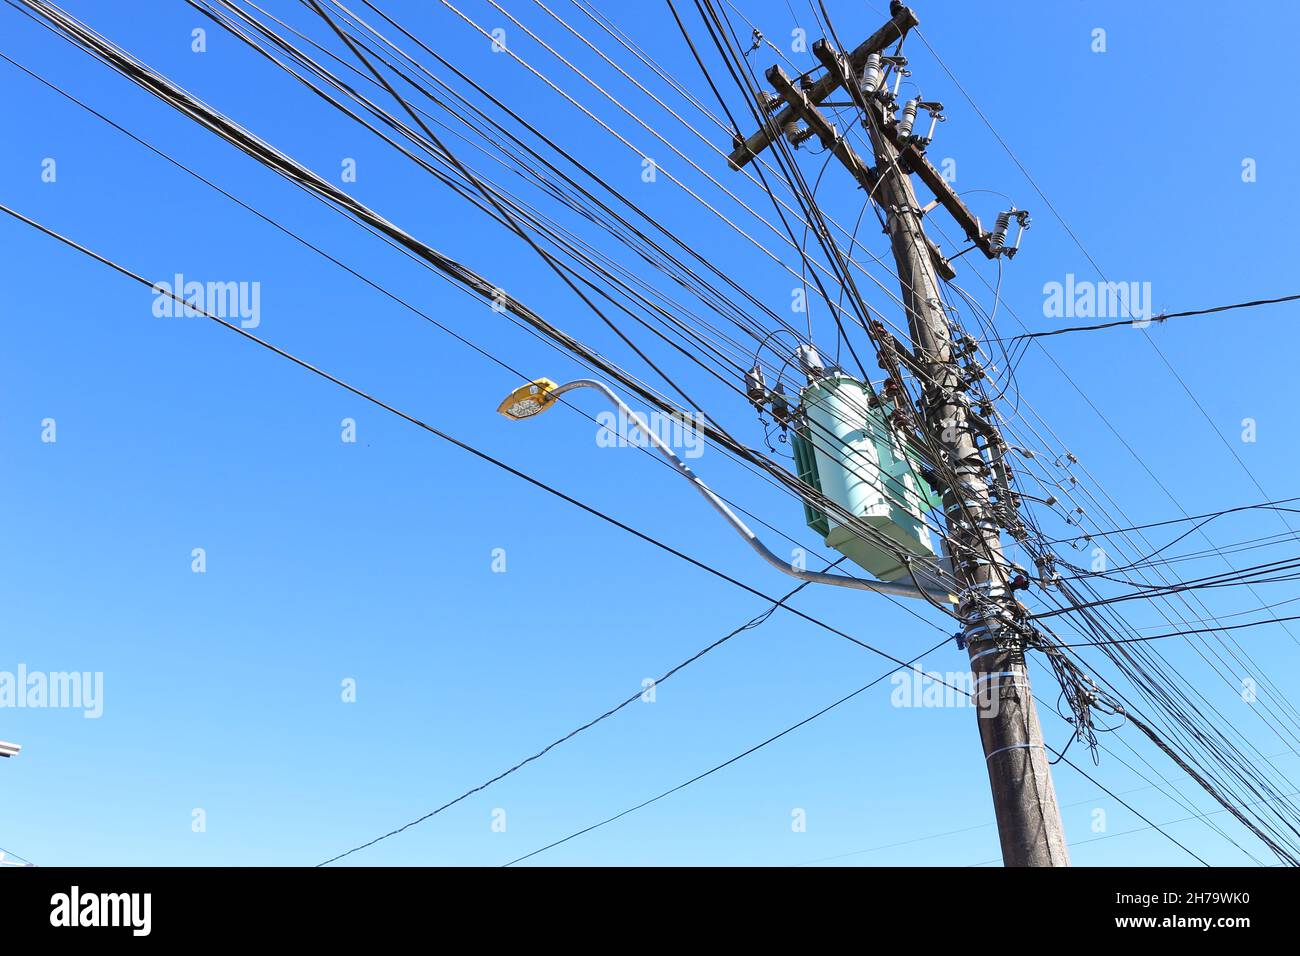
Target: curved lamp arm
(540, 395)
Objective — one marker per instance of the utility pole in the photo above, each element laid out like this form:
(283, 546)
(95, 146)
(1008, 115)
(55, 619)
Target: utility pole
(978, 500)
(1029, 821)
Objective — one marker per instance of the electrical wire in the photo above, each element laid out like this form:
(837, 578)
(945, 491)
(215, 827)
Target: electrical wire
(726, 763)
(1163, 316)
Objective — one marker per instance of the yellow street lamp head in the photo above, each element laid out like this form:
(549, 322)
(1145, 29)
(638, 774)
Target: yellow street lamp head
(528, 400)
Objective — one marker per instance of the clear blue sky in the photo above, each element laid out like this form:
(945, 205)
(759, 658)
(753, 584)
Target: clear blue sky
(373, 560)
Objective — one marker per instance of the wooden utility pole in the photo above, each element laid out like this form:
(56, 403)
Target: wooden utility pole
(1029, 821)
(1024, 800)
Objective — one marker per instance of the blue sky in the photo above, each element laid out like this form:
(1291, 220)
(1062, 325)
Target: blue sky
(373, 561)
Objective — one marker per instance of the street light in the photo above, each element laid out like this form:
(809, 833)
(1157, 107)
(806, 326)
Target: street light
(529, 400)
(9, 750)
(537, 396)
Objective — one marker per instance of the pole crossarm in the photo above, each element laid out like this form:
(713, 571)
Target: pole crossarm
(839, 147)
(903, 20)
(805, 109)
(912, 158)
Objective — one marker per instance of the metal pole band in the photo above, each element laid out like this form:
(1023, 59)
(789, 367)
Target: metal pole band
(988, 757)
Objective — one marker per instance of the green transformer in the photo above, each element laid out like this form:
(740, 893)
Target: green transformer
(845, 450)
